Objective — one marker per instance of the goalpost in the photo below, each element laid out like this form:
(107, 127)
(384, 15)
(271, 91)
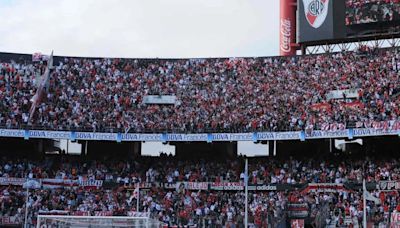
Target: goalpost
(67, 221)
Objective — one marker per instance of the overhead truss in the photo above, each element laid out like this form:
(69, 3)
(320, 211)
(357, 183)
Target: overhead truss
(350, 46)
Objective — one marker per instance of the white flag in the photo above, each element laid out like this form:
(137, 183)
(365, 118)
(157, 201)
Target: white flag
(369, 196)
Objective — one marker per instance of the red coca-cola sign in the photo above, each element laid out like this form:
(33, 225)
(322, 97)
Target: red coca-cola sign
(286, 32)
(287, 27)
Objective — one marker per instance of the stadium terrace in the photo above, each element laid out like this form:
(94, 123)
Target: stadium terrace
(319, 92)
(204, 193)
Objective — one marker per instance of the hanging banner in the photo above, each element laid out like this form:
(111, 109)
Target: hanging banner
(288, 135)
(227, 186)
(379, 125)
(342, 94)
(187, 185)
(333, 126)
(395, 220)
(38, 56)
(159, 99)
(81, 213)
(103, 213)
(64, 183)
(298, 210)
(54, 212)
(11, 220)
(324, 187)
(388, 185)
(58, 183)
(138, 214)
(90, 184)
(12, 181)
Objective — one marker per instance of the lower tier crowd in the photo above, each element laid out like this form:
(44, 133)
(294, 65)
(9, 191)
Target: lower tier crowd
(167, 169)
(315, 191)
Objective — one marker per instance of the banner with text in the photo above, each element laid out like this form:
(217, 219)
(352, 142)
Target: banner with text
(329, 131)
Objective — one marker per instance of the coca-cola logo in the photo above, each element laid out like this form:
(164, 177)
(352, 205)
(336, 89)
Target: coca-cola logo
(286, 32)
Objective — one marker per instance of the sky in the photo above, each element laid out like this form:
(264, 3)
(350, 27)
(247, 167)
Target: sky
(141, 28)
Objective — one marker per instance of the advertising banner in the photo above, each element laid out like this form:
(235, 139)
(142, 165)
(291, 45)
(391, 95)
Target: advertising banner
(287, 36)
(332, 130)
(138, 214)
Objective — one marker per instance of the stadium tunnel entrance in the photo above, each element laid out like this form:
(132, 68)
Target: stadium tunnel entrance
(368, 146)
(182, 150)
(197, 150)
(386, 146)
(32, 148)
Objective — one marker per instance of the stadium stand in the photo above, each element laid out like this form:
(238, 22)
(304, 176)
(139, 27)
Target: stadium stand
(315, 92)
(366, 11)
(229, 95)
(201, 194)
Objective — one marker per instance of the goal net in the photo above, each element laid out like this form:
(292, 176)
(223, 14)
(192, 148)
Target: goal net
(66, 221)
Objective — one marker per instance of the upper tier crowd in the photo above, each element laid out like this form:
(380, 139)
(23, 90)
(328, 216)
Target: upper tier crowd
(202, 208)
(237, 94)
(369, 11)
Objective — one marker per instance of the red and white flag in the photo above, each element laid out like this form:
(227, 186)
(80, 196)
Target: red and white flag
(41, 90)
(135, 194)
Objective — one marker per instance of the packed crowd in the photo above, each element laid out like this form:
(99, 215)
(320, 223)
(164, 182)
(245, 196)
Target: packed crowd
(171, 170)
(368, 11)
(237, 94)
(206, 207)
